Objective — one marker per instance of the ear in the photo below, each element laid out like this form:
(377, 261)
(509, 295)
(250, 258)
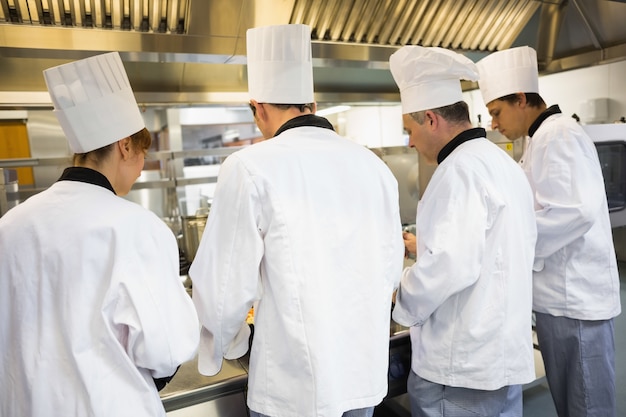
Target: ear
(521, 98)
(253, 106)
(314, 108)
(261, 110)
(124, 146)
(430, 119)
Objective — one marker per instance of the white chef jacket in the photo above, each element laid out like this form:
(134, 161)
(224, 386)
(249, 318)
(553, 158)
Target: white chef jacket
(91, 306)
(468, 296)
(577, 274)
(308, 223)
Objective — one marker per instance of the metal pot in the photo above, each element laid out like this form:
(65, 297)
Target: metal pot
(193, 227)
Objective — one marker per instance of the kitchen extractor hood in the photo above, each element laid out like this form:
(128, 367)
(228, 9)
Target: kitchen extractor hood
(193, 51)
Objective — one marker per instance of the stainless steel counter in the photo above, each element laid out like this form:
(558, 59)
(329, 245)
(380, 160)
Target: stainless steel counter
(226, 390)
(189, 387)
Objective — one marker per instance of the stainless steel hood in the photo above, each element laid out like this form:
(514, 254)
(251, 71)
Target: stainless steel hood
(193, 51)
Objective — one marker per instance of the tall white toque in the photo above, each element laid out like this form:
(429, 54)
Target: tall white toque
(508, 72)
(280, 68)
(430, 77)
(93, 101)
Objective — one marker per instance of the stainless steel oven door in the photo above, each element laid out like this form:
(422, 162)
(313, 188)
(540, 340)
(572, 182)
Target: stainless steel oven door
(610, 141)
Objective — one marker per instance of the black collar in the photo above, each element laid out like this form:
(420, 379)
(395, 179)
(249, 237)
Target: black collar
(543, 116)
(87, 175)
(473, 133)
(305, 120)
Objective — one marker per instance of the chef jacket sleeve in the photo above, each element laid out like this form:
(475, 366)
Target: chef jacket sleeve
(225, 271)
(153, 314)
(569, 189)
(451, 225)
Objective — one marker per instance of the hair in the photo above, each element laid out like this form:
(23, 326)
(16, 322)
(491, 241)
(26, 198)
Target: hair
(140, 141)
(533, 99)
(456, 113)
(300, 107)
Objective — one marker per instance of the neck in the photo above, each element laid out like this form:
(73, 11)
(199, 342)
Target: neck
(279, 117)
(107, 166)
(457, 129)
(532, 114)
(451, 131)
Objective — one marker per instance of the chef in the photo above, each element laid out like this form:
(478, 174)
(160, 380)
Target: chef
(307, 223)
(93, 316)
(467, 298)
(576, 291)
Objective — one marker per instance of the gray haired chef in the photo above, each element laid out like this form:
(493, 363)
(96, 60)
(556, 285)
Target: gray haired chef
(307, 223)
(467, 298)
(93, 317)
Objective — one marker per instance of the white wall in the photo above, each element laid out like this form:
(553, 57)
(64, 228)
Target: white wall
(373, 126)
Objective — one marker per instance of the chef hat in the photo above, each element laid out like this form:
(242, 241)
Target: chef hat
(280, 69)
(93, 101)
(508, 72)
(429, 77)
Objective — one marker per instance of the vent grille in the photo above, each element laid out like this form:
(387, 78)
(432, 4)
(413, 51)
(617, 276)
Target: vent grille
(158, 16)
(478, 25)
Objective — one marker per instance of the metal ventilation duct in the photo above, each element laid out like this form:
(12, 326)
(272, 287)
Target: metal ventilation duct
(193, 51)
(476, 25)
(158, 16)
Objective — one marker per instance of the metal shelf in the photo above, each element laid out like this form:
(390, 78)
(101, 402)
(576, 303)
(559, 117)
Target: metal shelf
(169, 181)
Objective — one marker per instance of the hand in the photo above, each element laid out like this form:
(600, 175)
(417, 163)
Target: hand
(410, 245)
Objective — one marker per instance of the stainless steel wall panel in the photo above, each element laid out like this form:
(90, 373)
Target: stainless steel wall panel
(47, 140)
(260, 13)
(588, 27)
(219, 18)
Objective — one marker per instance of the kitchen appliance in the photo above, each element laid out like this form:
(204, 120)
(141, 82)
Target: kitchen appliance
(193, 228)
(610, 141)
(9, 195)
(403, 163)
